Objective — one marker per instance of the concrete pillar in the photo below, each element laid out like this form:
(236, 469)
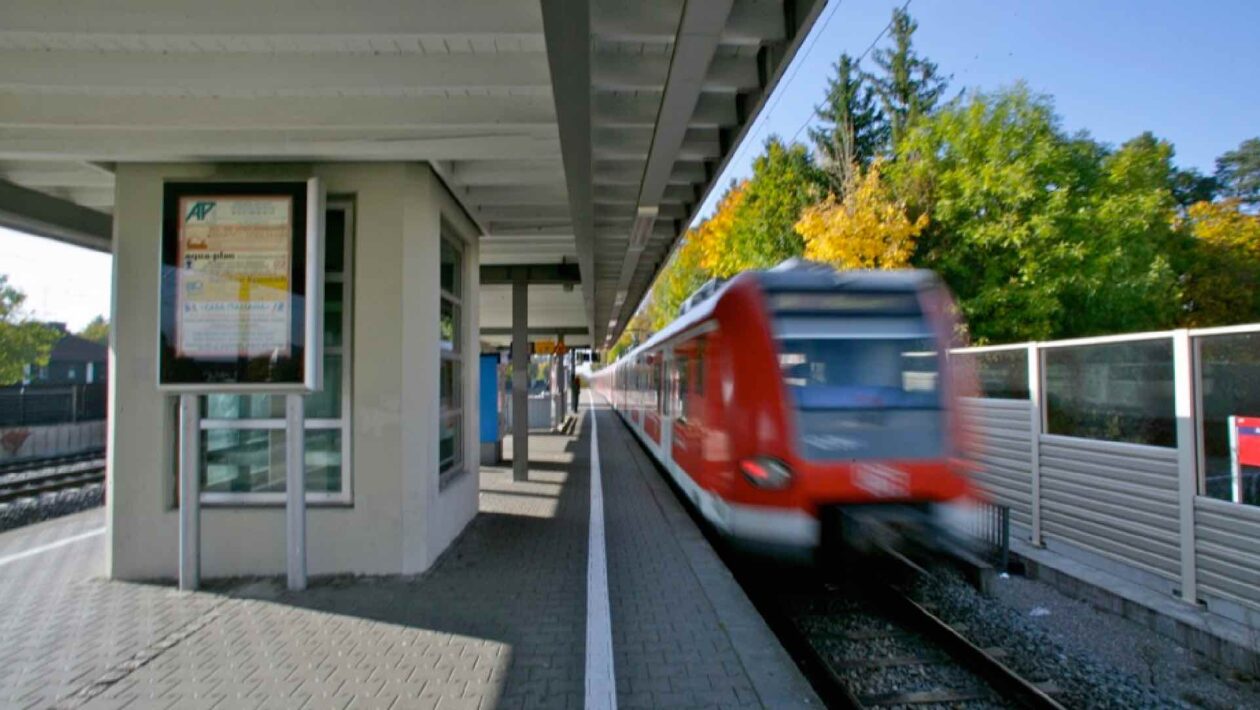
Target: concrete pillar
(520, 376)
(562, 382)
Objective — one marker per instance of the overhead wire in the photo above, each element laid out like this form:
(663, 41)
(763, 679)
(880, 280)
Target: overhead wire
(761, 120)
(810, 117)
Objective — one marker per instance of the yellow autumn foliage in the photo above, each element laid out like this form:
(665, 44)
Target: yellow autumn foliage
(868, 229)
(713, 237)
(1223, 283)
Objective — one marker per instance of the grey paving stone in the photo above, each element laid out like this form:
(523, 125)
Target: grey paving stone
(499, 622)
(674, 604)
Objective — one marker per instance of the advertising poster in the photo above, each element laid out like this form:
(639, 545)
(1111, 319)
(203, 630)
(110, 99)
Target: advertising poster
(241, 287)
(235, 262)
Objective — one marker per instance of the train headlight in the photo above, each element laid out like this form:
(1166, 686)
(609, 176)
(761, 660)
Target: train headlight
(765, 472)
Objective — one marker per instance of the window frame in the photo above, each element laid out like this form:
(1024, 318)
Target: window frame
(343, 423)
(458, 464)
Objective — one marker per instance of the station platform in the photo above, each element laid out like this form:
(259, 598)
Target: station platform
(509, 617)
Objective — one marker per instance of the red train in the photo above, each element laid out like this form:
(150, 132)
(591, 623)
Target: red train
(801, 407)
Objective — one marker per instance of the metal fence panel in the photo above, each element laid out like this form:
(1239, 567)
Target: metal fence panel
(1226, 551)
(52, 404)
(1001, 450)
(1115, 499)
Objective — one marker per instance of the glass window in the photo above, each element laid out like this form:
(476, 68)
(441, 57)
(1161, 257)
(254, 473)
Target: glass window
(334, 309)
(698, 386)
(1000, 374)
(448, 390)
(1112, 391)
(658, 372)
(451, 370)
(242, 440)
(450, 325)
(1229, 387)
(451, 264)
(863, 398)
(683, 390)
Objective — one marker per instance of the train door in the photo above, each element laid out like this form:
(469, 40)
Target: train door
(668, 381)
(651, 403)
(688, 424)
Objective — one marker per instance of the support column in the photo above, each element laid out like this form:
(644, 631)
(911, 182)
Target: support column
(189, 493)
(1034, 432)
(562, 381)
(520, 376)
(1187, 458)
(295, 491)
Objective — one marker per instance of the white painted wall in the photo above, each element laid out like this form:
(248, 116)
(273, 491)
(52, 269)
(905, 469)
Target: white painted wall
(399, 522)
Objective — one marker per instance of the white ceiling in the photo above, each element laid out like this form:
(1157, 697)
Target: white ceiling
(652, 102)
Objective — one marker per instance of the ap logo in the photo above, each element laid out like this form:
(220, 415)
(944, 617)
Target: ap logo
(199, 210)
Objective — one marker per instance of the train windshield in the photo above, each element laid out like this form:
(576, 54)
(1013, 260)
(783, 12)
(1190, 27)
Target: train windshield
(860, 393)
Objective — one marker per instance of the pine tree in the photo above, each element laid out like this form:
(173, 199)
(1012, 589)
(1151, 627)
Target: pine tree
(909, 85)
(1239, 172)
(853, 128)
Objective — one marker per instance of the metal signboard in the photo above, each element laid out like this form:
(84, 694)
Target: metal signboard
(241, 287)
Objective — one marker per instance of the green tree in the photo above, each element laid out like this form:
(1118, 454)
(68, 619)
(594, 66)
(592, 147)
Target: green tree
(1129, 282)
(1040, 234)
(908, 85)
(97, 331)
(1189, 187)
(1238, 172)
(22, 341)
(763, 226)
(853, 129)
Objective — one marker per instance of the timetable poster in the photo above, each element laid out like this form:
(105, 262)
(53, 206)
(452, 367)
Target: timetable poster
(234, 294)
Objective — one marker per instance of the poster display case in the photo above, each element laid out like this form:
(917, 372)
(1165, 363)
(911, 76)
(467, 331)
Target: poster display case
(241, 287)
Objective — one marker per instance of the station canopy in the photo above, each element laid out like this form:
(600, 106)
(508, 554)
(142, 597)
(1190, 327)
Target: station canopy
(573, 133)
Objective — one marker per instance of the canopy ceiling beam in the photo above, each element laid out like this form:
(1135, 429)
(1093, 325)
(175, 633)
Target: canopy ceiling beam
(567, 29)
(36, 213)
(699, 32)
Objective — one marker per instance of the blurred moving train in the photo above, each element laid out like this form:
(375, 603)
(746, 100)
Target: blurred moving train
(804, 409)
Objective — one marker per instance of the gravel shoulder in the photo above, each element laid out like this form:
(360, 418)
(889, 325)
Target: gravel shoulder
(1097, 659)
(47, 506)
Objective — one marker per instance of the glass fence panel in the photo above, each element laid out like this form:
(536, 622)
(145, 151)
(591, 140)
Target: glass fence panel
(999, 374)
(1112, 391)
(1229, 386)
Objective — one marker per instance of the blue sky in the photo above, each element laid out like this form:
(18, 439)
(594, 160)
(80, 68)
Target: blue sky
(1185, 70)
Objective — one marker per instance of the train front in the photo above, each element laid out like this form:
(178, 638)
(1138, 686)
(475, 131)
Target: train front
(866, 448)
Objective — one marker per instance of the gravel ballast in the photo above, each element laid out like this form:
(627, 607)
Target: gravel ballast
(26, 511)
(1095, 659)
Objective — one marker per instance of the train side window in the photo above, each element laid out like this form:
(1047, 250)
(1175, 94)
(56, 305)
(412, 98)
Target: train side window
(658, 371)
(698, 385)
(683, 367)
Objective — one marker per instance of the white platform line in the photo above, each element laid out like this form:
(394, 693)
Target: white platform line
(50, 546)
(601, 684)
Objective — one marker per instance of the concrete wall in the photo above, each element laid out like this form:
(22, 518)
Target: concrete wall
(51, 440)
(399, 520)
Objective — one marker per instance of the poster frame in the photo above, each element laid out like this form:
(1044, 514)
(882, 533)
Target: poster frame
(307, 246)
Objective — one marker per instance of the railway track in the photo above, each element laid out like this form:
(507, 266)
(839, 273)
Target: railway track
(26, 464)
(33, 478)
(873, 646)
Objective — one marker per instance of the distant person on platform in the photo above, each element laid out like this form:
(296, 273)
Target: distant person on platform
(577, 391)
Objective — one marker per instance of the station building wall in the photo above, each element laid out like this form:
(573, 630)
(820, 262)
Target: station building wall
(400, 517)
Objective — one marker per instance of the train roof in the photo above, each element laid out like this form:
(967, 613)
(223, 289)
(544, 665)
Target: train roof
(792, 275)
(801, 275)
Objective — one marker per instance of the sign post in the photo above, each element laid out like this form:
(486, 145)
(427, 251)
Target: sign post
(1244, 450)
(242, 313)
(295, 490)
(189, 492)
